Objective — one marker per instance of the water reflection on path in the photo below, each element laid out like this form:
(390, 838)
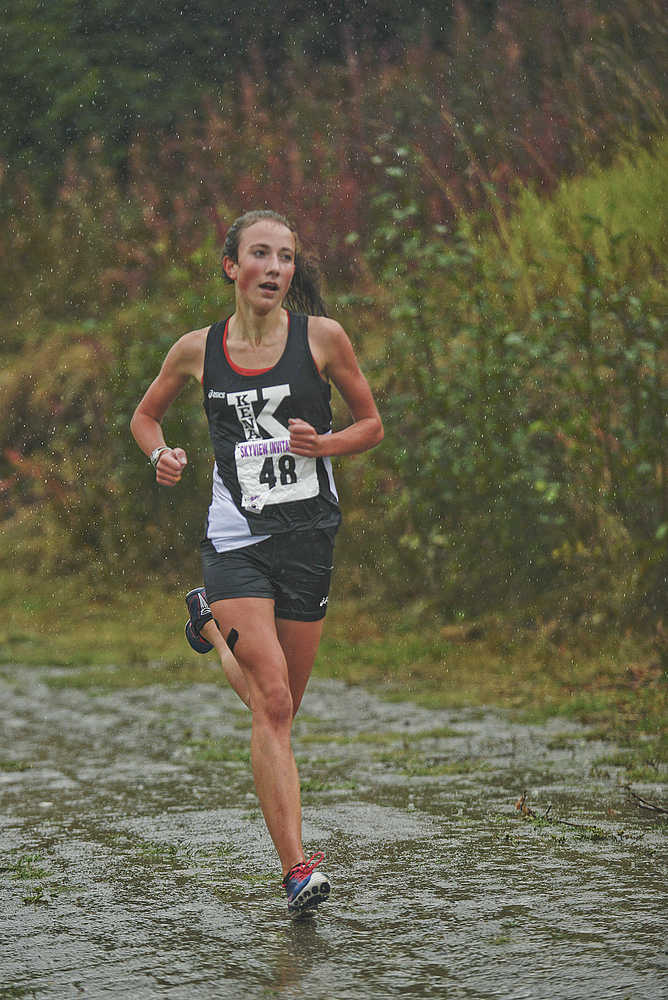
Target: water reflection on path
(135, 861)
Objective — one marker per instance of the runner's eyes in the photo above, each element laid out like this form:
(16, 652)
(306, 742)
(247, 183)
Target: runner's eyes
(285, 257)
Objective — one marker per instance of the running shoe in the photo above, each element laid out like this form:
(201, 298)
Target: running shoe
(200, 613)
(306, 888)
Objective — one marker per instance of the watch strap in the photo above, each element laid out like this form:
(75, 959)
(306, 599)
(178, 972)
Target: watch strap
(154, 457)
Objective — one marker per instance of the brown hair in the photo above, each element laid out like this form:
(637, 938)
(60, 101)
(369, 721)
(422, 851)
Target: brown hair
(304, 294)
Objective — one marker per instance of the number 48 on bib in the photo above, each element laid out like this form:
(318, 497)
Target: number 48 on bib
(269, 473)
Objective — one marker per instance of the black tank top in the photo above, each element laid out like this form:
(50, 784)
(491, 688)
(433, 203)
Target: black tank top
(248, 415)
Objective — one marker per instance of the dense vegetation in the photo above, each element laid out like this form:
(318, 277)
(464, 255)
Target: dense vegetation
(78, 68)
(74, 69)
(488, 195)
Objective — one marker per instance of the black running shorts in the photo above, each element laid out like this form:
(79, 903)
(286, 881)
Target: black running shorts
(292, 569)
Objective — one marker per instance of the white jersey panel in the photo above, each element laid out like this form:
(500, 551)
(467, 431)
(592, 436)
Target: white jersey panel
(227, 528)
(327, 462)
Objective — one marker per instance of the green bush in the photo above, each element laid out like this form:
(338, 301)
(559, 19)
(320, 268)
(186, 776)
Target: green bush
(525, 458)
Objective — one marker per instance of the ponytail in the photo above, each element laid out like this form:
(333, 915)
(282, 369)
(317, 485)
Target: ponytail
(304, 294)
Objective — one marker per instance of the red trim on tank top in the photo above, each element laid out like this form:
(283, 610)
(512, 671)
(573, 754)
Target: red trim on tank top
(238, 368)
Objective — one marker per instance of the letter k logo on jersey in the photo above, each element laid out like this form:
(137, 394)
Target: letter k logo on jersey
(273, 396)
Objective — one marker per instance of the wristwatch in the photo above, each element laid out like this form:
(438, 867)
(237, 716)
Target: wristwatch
(154, 457)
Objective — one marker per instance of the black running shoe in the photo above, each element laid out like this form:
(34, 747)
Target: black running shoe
(306, 888)
(200, 613)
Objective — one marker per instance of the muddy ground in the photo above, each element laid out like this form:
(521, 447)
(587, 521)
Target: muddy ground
(135, 862)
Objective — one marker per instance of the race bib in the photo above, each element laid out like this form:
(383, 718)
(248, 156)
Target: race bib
(269, 473)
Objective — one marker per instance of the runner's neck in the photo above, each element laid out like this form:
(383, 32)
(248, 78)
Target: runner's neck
(245, 325)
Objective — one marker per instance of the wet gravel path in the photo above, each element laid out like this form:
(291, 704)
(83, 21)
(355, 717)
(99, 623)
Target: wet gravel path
(135, 862)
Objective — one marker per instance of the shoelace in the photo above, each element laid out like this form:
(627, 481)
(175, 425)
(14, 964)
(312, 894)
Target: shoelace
(304, 868)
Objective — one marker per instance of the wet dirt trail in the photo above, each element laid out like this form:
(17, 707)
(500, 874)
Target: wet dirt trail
(135, 862)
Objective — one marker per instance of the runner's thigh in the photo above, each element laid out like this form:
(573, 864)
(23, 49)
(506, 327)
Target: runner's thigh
(257, 648)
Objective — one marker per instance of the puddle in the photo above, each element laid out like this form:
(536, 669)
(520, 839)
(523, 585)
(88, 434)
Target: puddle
(135, 861)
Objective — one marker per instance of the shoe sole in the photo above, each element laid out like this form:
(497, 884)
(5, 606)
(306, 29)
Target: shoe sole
(310, 896)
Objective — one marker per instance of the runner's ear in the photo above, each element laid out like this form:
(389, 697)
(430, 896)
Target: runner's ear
(230, 268)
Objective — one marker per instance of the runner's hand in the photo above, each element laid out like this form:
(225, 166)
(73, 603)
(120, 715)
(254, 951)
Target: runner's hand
(170, 466)
(304, 439)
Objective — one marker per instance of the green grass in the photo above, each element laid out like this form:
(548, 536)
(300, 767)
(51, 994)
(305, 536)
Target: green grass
(45, 888)
(16, 766)
(341, 739)
(218, 750)
(29, 866)
(321, 785)
(614, 684)
(623, 198)
(65, 623)
(165, 851)
(422, 766)
(638, 764)
(170, 673)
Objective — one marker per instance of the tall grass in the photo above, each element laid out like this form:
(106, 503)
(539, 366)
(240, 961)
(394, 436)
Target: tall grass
(541, 93)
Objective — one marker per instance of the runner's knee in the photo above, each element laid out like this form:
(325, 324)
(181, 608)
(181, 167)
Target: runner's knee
(273, 704)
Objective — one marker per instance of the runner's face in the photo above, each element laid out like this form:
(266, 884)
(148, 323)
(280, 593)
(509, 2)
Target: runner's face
(266, 264)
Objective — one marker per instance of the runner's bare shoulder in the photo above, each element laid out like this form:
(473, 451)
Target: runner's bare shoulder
(327, 340)
(186, 356)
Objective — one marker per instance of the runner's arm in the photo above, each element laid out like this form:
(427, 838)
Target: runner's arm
(184, 359)
(336, 357)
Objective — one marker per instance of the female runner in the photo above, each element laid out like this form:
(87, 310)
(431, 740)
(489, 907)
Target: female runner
(267, 551)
